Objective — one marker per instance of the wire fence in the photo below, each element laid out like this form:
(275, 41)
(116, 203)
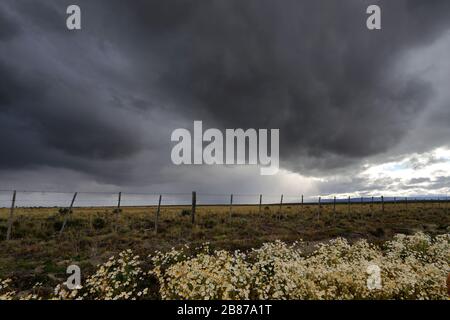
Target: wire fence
(67, 201)
(33, 198)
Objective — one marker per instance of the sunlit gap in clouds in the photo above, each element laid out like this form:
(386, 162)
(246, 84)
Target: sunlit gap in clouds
(415, 174)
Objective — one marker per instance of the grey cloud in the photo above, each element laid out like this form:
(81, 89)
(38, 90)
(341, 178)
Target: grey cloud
(416, 181)
(93, 101)
(256, 64)
(440, 182)
(8, 29)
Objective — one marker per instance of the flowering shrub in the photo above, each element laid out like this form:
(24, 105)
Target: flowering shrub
(411, 267)
(418, 265)
(221, 275)
(276, 270)
(118, 278)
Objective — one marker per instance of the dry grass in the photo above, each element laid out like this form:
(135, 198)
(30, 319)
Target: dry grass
(37, 253)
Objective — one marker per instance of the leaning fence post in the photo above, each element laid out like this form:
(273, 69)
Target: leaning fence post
(11, 213)
(260, 203)
(67, 214)
(231, 205)
(119, 200)
(194, 204)
(281, 204)
(157, 214)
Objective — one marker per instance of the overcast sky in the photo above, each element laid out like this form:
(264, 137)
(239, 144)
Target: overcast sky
(359, 111)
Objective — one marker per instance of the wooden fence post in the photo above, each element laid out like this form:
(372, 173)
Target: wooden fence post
(371, 207)
(362, 206)
(11, 214)
(68, 213)
(194, 204)
(446, 204)
(406, 204)
(348, 206)
(319, 208)
(157, 214)
(119, 200)
(302, 203)
(231, 206)
(281, 204)
(260, 203)
(334, 207)
(382, 204)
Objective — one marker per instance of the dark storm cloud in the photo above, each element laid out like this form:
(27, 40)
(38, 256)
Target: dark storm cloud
(50, 116)
(62, 118)
(8, 28)
(311, 68)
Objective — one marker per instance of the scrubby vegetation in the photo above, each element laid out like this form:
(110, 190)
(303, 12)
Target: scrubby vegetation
(411, 267)
(35, 260)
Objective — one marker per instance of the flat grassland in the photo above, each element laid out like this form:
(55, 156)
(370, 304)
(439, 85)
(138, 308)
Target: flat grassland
(37, 253)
